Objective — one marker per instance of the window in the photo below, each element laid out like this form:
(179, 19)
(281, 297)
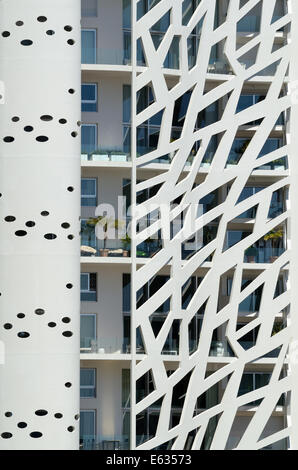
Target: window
(88, 329)
(252, 381)
(270, 145)
(239, 146)
(251, 303)
(235, 236)
(88, 8)
(89, 97)
(88, 46)
(89, 138)
(87, 429)
(250, 23)
(87, 383)
(88, 287)
(247, 192)
(147, 291)
(246, 101)
(88, 192)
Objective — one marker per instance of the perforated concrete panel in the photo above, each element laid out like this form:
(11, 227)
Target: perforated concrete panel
(252, 62)
(39, 223)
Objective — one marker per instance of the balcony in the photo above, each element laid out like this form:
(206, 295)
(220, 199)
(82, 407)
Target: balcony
(101, 56)
(118, 248)
(220, 66)
(115, 156)
(106, 345)
(220, 349)
(264, 255)
(91, 442)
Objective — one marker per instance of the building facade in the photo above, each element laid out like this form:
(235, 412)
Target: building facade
(187, 337)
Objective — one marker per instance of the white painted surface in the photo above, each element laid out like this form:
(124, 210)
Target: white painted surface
(34, 177)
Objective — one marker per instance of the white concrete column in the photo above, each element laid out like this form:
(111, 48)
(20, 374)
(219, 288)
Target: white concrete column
(39, 223)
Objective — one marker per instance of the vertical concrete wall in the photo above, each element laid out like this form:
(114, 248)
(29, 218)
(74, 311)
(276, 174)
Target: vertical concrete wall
(39, 223)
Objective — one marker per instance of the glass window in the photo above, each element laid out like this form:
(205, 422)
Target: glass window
(250, 23)
(127, 103)
(144, 6)
(88, 329)
(188, 9)
(87, 429)
(247, 192)
(126, 293)
(88, 287)
(89, 138)
(125, 388)
(126, 18)
(89, 97)
(235, 236)
(238, 148)
(252, 381)
(245, 101)
(270, 145)
(87, 383)
(88, 8)
(88, 192)
(88, 46)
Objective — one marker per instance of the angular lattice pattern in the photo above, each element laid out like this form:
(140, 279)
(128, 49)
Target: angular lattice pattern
(214, 62)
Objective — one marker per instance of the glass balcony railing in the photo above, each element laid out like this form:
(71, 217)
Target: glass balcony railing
(102, 56)
(91, 442)
(105, 156)
(276, 165)
(106, 345)
(264, 255)
(116, 248)
(86, 343)
(220, 66)
(220, 349)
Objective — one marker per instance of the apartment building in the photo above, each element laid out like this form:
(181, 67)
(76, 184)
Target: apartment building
(107, 172)
(185, 236)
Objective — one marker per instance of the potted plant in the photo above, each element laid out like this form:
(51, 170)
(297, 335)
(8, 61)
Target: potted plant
(279, 164)
(149, 244)
(88, 231)
(274, 236)
(126, 244)
(84, 156)
(106, 223)
(277, 327)
(251, 254)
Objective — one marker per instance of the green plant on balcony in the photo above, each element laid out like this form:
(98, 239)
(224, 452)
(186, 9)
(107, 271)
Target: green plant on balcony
(251, 254)
(150, 242)
(274, 236)
(126, 242)
(106, 224)
(279, 162)
(87, 231)
(277, 327)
